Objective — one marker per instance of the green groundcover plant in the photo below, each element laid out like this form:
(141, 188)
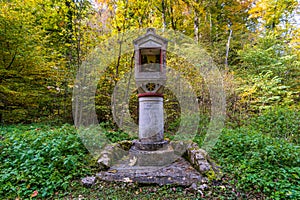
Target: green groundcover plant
(38, 160)
(279, 122)
(258, 162)
(261, 157)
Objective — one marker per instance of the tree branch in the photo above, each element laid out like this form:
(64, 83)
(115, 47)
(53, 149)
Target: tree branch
(12, 60)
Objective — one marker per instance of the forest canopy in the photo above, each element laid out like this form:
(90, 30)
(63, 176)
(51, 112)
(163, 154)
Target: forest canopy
(255, 44)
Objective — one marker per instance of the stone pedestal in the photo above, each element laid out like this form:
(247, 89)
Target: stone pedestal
(155, 167)
(177, 173)
(160, 157)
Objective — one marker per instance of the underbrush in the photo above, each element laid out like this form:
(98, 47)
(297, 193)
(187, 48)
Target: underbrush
(39, 161)
(261, 158)
(282, 123)
(264, 156)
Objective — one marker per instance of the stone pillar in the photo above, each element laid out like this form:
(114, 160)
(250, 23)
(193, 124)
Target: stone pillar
(151, 122)
(151, 149)
(151, 119)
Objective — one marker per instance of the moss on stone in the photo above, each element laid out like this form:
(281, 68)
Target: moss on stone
(210, 174)
(125, 144)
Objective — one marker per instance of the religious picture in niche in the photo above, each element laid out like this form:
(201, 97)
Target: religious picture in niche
(150, 60)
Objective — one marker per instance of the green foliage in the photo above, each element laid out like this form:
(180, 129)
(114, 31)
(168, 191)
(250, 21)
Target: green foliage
(43, 43)
(260, 163)
(39, 158)
(264, 91)
(40, 49)
(116, 136)
(270, 14)
(198, 136)
(134, 191)
(263, 155)
(267, 74)
(23, 52)
(270, 53)
(279, 123)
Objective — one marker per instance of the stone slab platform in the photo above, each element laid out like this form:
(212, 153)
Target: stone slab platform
(180, 172)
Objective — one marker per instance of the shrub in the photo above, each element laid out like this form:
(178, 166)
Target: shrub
(263, 91)
(260, 163)
(280, 123)
(39, 158)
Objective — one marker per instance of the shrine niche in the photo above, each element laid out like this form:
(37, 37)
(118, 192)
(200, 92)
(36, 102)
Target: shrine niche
(150, 62)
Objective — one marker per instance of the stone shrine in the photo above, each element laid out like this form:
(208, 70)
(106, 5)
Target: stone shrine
(150, 74)
(151, 159)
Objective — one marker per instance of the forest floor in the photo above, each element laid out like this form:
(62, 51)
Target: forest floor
(108, 190)
(40, 161)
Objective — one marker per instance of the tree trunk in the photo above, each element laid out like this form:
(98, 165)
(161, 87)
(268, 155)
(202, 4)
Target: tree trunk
(196, 28)
(163, 5)
(196, 24)
(210, 29)
(227, 49)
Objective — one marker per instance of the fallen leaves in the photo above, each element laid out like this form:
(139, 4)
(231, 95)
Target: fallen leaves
(35, 193)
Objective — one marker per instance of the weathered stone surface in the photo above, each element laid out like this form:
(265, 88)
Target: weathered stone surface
(160, 157)
(203, 166)
(198, 158)
(125, 144)
(111, 154)
(150, 146)
(88, 181)
(194, 187)
(179, 173)
(104, 161)
(203, 187)
(181, 147)
(151, 119)
(193, 165)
